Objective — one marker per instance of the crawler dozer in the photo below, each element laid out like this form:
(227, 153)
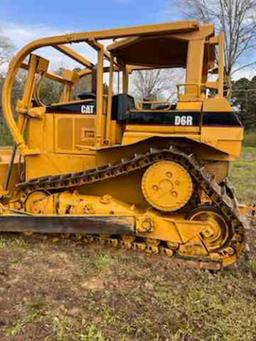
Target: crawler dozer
(144, 175)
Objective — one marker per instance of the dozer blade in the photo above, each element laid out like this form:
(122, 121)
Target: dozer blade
(68, 224)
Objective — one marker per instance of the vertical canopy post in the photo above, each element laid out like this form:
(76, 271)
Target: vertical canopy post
(110, 94)
(99, 102)
(221, 65)
(125, 79)
(195, 68)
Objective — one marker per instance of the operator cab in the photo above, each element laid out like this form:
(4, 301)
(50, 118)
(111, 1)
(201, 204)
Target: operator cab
(200, 100)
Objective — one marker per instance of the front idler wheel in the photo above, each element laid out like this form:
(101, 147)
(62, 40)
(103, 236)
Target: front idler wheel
(219, 234)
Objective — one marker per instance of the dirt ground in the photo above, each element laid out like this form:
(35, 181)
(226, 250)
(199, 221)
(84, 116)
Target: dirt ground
(59, 289)
(62, 289)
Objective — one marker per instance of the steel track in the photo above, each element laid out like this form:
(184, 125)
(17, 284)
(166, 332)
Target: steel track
(217, 193)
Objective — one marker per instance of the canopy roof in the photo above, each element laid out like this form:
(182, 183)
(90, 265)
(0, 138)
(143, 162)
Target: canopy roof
(162, 51)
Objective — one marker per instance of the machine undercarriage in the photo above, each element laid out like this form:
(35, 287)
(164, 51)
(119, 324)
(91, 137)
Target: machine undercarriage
(179, 192)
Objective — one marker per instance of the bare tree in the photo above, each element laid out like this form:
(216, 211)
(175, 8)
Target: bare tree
(237, 18)
(6, 50)
(156, 84)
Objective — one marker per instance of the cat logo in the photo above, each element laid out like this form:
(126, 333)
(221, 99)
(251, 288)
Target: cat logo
(183, 121)
(87, 109)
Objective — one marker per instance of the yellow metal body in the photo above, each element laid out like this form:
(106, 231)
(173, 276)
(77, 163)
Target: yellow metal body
(53, 140)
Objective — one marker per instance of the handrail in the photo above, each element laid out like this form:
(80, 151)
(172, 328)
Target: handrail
(140, 105)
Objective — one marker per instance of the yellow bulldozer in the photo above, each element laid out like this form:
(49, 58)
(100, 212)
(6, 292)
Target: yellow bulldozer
(144, 175)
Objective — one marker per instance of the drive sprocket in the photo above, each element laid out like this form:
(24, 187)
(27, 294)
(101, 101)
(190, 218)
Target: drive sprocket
(167, 186)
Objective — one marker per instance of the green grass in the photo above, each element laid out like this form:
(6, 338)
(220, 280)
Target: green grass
(243, 175)
(5, 136)
(250, 138)
(95, 263)
(33, 314)
(127, 296)
(13, 242)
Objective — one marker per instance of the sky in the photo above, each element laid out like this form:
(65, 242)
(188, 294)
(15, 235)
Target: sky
(25, 20)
